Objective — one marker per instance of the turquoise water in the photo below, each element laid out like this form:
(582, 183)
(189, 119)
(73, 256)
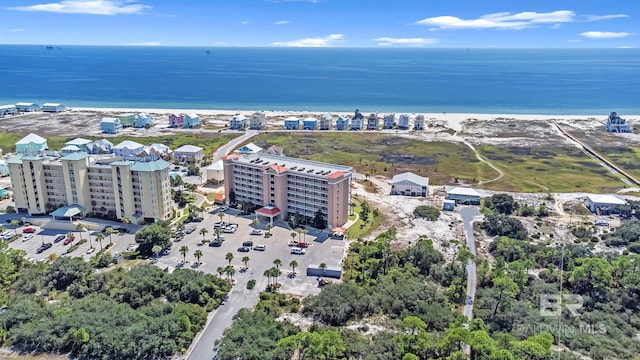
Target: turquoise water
(548, 81)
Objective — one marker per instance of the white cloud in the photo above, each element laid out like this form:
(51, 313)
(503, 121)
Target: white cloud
(16, 30)
(326, 41)
(604, 34)
(148, 43)
(93, 7)
(244, 22)
(389, 41)
(281, 22)
(605, 17)
(503, 20)
(625, 47)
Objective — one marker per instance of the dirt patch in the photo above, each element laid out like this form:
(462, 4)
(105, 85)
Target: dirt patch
(408, 159)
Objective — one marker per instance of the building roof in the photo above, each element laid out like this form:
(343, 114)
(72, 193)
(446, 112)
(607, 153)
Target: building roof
(464, 191)
(230, 157)
(218, 165)
(250, 148)
(411, 177)
(109, 120)
(78, 141)
(188, 149)
(128, 144)
(121, 163)
(25, 104)
(7, 106)
(31, 138)
(76, 156)
(68, 211)
(70, 148)
(277, 168)
(268, 211)
(238, 117)
(155, 165)
(606, 199)
(292, 118)
(292, 165)
(310, 119)
(51, 104)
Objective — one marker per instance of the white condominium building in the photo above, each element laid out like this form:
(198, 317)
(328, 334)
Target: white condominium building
(99, 184)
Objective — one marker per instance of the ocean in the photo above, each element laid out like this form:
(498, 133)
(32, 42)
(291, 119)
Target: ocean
(508, 81)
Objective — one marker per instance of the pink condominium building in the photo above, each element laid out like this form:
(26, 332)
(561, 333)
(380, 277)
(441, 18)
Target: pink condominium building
(286, 186)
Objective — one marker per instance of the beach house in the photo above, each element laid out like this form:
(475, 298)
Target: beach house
(127, 120)
(284, 187)
(357, 121)
(31, 144)
(80, 143)
(463, 195)
(4, 168)
(388, 121)
(27, 107)
(250, 148)
(617, 124)
(258, 121)
(291, 123)
(342, 123)
(309, 123)
(238, 122)
(143, 120)
(191, 121)
(176, 120)
(52, 107)
(188, 153)
(160, 149)
(325, 122)
(372, 122)
(102, 146)
(110, 125)
(418, 123)
(409, 184)
(68, 149)
(128, 148)
(215, 172)
(403, 122)
(8, 110)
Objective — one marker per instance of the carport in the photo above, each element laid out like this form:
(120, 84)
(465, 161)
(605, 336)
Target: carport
(68, 211)
(268, 211)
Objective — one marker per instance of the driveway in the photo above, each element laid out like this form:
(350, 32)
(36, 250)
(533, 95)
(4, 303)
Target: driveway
(469, 214)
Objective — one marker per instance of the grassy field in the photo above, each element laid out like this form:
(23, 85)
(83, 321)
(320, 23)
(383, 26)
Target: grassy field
(563, 169)
(626, 157)
(359, 229)
(209, 141)
(380, 154)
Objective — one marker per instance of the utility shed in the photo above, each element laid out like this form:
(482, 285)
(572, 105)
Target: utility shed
(604, 204)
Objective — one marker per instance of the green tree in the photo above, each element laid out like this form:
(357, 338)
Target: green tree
(221, 215)
(151, 235)
(277, 263)
(275, 272)
(591, 274)
(204, 232)
(304, 233)
(293, 265)
(99, 238)
(293, 236)
(230, 271)
(109, 231)
(507, 289)
(323, 267)
(198, 254)
(79, 229)
(184, 249)
(15, 223)
(269, 226)
(125, 220)
(229, 257)
(245, 260)
(364, 211)
(156, 250)
(501, 203)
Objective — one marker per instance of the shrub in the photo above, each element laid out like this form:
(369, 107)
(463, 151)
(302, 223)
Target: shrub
(428, 212)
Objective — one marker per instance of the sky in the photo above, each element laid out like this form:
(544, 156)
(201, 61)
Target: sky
(324, 23)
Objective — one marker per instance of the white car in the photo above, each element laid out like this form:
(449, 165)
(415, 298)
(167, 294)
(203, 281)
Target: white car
(27, 237)
(298, 251)
(256, 232)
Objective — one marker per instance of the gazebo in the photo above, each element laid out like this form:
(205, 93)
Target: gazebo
(268, 211)
(68, 211)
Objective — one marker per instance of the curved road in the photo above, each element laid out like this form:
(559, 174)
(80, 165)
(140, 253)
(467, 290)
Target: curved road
(468, 214)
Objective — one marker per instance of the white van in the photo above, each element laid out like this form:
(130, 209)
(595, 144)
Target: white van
(298, 251)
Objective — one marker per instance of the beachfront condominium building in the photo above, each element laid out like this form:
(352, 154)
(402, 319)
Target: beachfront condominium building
(258, 121)
(403, 122)
(389, 121)
(238, 121)
(325, 122)
(286, 187)
(418, 123)
(83, 184)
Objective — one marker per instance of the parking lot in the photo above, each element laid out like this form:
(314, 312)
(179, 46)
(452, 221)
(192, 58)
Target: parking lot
(321, 250)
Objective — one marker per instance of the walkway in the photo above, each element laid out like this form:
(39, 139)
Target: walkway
(468, 215)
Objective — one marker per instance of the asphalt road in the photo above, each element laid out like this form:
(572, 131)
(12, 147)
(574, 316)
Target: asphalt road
(468, 214)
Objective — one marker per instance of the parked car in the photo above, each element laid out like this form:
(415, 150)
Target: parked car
(229, 229)
(91, 250)
(298, 251)
(260, 248)
(243, 249)
(223, 208)
(215, 243)
(189, 230)
(248, 243)
(44, 247)
(27, 237)
(219, 225)
(59, 238)
(69, 240)
(28, 230)
(256, 232)
(303, 245)
(196, 219)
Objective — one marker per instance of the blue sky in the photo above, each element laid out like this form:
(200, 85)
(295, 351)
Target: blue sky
(340, 23)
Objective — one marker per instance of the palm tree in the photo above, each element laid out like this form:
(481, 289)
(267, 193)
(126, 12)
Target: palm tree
(267, 273)
(156, 249)
(69, 234)
(229, 257)
(245, 260)
(2, 228)
(15, 224)
(203, 232)
(275, 272)
(79, 229)
(220, 270)
(351, 207)
(304, 233)
(52, 257)
(293, 236)
(217, 231)
(109, 231)
(293, 265)
(269, 227)
(299, 231)
(221, 215)
(230, 271)
(100, 237)
(277, 263)
(126, 220)
(198, 254)
(323, 267)
(184, 249)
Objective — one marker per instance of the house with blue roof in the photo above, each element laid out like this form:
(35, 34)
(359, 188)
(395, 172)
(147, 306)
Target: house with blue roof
(31, 144)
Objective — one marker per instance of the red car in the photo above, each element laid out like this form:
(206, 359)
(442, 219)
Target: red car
(28, 230)
(302, 245)
(68, 240)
